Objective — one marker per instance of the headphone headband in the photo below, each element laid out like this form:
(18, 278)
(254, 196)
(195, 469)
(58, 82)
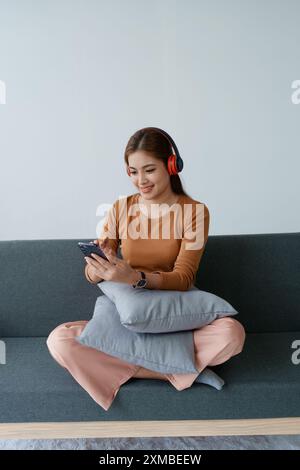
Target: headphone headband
(175, 162)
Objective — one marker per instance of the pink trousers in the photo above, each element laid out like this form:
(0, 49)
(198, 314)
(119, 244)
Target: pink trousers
(102, 375)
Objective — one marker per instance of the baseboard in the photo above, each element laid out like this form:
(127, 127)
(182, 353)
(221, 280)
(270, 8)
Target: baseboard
(94, 429)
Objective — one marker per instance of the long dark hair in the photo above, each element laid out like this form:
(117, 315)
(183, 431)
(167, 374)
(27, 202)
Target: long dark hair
(156, 144)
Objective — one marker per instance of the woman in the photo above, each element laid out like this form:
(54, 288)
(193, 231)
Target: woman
(166, 262)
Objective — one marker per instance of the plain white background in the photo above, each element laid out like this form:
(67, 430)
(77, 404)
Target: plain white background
(82, 76)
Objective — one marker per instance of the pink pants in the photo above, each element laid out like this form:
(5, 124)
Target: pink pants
(102, 375)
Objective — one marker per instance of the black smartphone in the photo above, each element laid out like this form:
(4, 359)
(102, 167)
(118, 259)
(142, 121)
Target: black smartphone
(91, 247)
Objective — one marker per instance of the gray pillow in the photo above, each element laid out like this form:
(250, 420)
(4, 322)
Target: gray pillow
(164, 352)
(158, 311)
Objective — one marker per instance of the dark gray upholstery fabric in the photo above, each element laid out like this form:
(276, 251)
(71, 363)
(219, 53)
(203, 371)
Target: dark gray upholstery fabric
(259, 275)
(259, 382)
(42, 282)
(42, 285)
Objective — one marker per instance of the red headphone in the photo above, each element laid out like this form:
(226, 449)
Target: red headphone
(175, 162)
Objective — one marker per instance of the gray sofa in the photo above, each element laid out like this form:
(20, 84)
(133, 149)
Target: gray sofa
(43, 285)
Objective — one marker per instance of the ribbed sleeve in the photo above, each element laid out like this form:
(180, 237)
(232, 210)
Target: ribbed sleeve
(186, 265)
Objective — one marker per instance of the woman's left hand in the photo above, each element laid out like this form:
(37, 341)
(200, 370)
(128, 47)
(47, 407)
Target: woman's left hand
(115, 269)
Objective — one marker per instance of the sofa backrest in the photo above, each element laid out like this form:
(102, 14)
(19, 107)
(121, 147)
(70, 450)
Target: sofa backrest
(259, 275)
(42, 282)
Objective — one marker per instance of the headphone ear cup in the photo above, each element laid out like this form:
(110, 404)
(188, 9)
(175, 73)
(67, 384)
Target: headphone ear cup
(179, 164)
(172, 166)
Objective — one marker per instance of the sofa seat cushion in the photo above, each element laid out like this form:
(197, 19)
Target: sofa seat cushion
(260, 382)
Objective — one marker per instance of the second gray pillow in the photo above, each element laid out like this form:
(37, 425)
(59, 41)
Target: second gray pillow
(165, 353)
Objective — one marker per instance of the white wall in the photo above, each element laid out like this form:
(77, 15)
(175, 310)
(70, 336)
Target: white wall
(82, 76)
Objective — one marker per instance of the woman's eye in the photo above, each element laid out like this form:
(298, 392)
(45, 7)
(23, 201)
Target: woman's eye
(147, 171)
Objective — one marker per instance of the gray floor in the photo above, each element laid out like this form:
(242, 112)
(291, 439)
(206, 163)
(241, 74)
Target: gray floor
(164, 443)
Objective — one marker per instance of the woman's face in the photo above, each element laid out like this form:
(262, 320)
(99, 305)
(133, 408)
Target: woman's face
(147, 170)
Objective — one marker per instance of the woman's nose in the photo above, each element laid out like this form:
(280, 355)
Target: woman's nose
(142, 181)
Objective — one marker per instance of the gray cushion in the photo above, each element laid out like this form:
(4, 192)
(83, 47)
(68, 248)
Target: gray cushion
(164, 352)
(159, 311)
(261, 382)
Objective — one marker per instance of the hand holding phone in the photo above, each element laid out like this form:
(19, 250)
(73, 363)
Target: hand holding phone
(93, 247)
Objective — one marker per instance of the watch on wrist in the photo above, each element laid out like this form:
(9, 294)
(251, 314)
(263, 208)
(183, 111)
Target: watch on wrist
(141, 282)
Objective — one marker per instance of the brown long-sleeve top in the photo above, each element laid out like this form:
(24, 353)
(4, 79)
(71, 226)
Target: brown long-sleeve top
(170, 243)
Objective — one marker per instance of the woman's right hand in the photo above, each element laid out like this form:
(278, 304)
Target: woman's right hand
(92, 269)
(103, 244)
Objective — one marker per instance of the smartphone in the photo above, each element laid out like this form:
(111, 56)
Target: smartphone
(91, 247)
